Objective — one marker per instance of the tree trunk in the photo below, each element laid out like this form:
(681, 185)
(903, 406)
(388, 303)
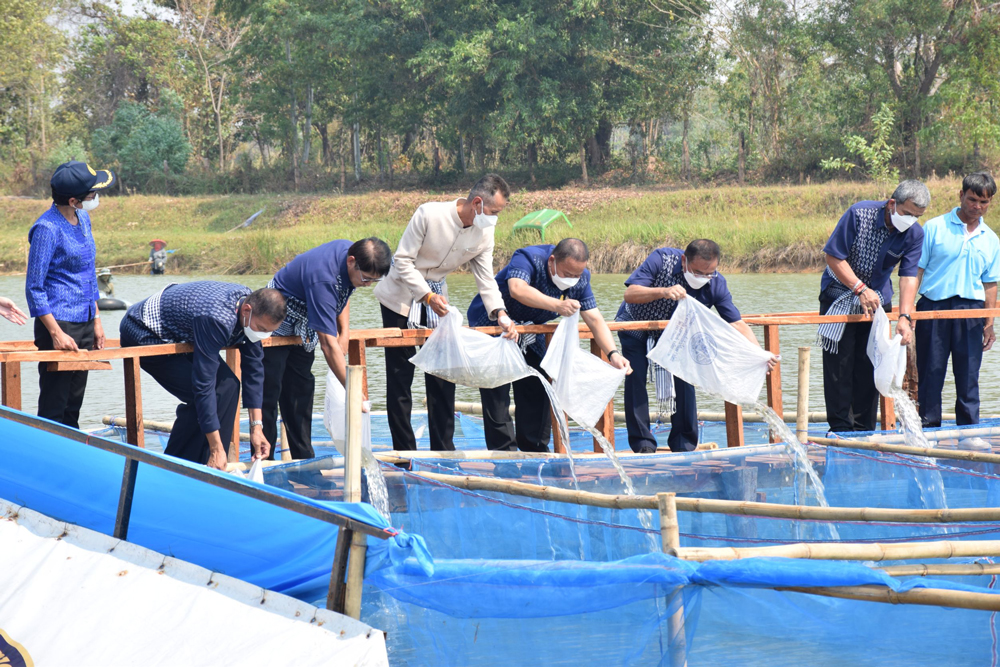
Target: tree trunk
(685, 154)
(41, 124)
(294, 117)
(461, 153)
(583, 164)
(380, 157)
(357, 153)
(307, 130)
(742, 168)
(481, 153)
(260, 146)
(532, 155)
(343, 161)
(325, 143)
(437, 154)
(390, 161)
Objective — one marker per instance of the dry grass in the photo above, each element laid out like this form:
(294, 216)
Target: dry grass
(779, 228)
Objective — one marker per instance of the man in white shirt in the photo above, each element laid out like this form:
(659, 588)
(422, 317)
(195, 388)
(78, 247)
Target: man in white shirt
(440, 237)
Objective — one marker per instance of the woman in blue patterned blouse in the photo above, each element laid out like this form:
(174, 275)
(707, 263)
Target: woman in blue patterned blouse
(61, 286)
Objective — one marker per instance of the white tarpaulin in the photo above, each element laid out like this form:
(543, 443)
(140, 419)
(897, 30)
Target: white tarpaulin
(65, 600)
(584, 383)
(703, 350)
(887, 353)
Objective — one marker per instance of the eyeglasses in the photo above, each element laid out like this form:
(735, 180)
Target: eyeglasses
(366, 279)
(713, 274)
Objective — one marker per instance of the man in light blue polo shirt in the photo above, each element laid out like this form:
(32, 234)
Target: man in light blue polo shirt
(959, 269)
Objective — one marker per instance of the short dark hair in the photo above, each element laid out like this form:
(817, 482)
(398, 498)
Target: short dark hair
(268, 303)
(488, 186)
(372, 255)
(981, 183)
(63, 200)
(571, 249)
(703, 249)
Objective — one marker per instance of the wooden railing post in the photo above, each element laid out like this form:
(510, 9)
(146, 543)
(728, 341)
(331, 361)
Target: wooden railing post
(557, 444)
(772, 343)
(233, 361)
(606, 424)
(734, 425)
(134, 433)
(352, 488)
(11, 371)
(802, 399)
(357, 356)
(888, 408)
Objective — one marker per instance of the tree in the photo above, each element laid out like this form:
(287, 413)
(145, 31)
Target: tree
(141, 144)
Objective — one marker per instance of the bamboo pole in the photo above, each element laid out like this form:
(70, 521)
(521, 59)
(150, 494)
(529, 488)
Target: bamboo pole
(716, 506)
(933, 597)
(671, 539)
(151, 425)
(932, 452)
(941, 569)
(849, 551)
(670, 534)
(352, 488)
(802, 399)
(950, 434)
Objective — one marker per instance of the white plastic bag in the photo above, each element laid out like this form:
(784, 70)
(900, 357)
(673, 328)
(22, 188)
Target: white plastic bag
(335, 414)
(707, 352)
(887, 353)
(468, 357)
(584, 384)
(256, 473)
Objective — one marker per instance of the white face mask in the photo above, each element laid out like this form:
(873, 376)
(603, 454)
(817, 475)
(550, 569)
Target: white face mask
(696, 282)
(902, 222)
(482, 220)
(90, 204)
(562, 283)
(254, 336)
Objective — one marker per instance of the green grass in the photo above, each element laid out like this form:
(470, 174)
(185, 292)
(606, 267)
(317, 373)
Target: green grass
(777, 228)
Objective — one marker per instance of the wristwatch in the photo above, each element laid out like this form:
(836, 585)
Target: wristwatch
(907, 316)
(613, 352)
(256, 422)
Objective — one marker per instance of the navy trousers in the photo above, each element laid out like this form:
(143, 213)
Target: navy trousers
(962, 340)
(849, 379)
(187, 441)
(683, 423)
(289, 382)
(399, 396)
(60, 393)
(531, 428)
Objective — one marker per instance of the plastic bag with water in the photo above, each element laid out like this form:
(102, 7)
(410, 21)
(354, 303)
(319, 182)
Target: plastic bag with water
(335, 415)
(887, 353)
(705, 351)
(584, 383)
(470, 358)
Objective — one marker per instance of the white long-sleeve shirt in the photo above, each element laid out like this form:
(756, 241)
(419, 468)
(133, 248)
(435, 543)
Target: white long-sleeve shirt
(433, 245)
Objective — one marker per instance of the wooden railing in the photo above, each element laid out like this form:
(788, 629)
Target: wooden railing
(13, 354)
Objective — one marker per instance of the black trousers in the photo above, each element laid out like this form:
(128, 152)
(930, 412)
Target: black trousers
(962, 340)
(173, 373)
(532, 425)
(399, 396)
(849, 379)
(683, 423)
(290, 384)
(60, 393)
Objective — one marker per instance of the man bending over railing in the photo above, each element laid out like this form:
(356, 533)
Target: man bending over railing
(211, 316)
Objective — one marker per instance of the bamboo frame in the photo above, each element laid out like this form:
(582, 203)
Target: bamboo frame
(933, 597)
(941, 569)
(931, 452)
(714, 506)
(850, 551)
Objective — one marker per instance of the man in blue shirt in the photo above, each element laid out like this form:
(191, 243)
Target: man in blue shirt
(652, 292)
(870, 239)
(317, 285)
(540, 283)
(61, 285)
(959, 269)
(212, 316)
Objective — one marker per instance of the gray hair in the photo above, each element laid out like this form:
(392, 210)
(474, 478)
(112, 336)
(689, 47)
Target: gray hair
(488, 186)
(915, 191)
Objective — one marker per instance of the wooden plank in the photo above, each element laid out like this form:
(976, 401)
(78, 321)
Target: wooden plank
(79, 366)
(11, 371)
(606, 424)
(352, 434)
(888, 410)
(134, 434)
(734, 425)
(557, 444)
(233, 361)
(357, 355)
(772, 343)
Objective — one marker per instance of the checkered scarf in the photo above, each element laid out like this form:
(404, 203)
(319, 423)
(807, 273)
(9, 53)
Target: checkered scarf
(416, 308)
(297, 322)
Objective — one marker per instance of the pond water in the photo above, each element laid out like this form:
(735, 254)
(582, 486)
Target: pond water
(752, 293)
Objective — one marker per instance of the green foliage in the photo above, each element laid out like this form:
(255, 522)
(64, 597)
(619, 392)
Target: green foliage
(876, 155)
(141, 145)
(64, 151)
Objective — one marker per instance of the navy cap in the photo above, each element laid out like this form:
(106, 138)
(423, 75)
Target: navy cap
(76, 179)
